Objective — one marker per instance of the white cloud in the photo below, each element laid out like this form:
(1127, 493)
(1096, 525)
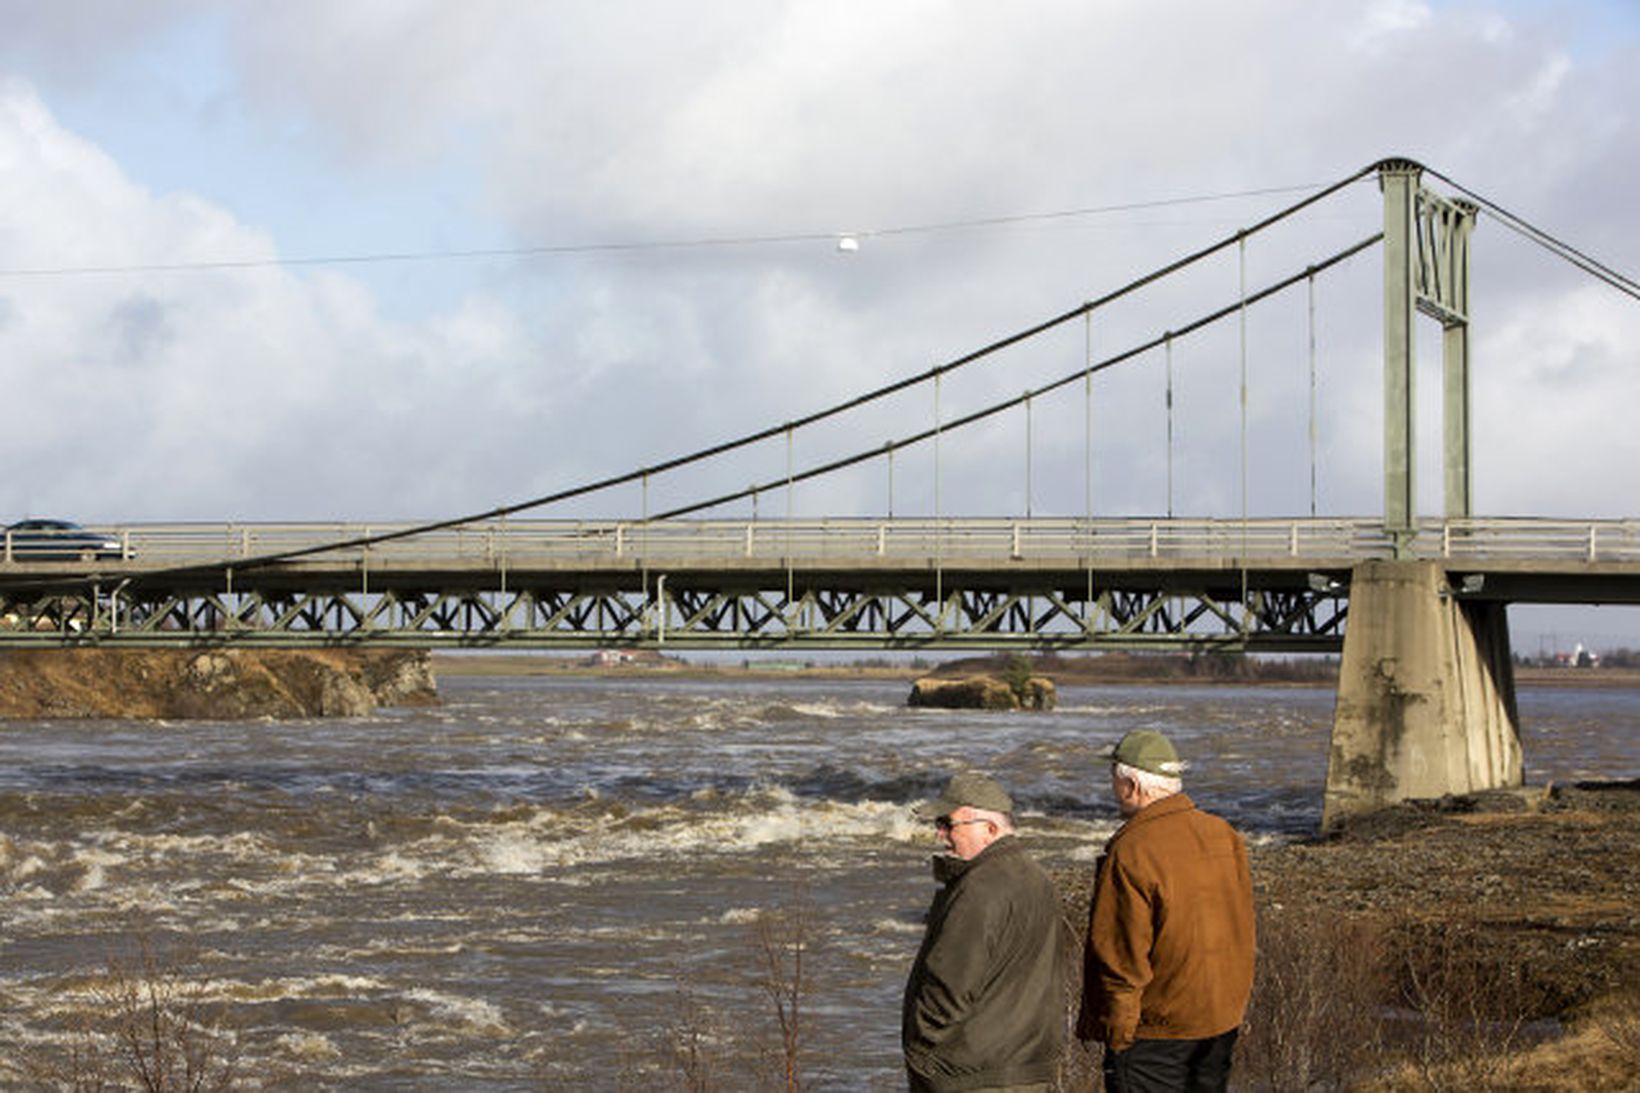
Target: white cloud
(250, 392)
(284, 393)
(1534, 102)
(1559, 376)
(1387, 19)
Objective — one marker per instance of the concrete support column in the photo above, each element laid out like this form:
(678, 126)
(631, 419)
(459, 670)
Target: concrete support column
(1426, 694)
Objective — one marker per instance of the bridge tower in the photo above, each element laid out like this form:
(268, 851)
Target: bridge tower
(1426, 697)
(1426, 269)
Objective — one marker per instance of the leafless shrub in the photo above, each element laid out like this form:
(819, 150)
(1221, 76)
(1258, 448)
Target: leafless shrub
(148, 1026)
(1079, 1066)
(72, 1067)
(690, 1044)
(780, 942)
(1314, 1018)
(1465, 1008)
(705, 1050)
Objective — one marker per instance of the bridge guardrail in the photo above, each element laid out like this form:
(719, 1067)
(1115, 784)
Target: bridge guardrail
(953, 541)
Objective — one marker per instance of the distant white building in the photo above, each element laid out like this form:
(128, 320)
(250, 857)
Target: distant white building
(1579, 657)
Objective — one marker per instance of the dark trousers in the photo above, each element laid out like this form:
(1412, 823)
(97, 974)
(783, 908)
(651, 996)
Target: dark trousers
(1171, 1066)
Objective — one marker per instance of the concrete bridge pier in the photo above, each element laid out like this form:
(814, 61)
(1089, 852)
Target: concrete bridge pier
(1426, 694)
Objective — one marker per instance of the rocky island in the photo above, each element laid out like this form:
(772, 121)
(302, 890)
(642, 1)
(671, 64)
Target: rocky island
(215, 684)
(993, 683)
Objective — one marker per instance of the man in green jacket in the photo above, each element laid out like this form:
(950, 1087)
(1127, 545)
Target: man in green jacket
(985, 1003)
(1169, 961)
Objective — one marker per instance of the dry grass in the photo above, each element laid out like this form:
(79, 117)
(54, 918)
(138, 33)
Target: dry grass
(1618, 1031)
(1461, 1011)
(1398, 1006)
(1600, 1053)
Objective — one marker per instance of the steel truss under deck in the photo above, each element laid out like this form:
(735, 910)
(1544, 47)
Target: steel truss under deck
(693, 617)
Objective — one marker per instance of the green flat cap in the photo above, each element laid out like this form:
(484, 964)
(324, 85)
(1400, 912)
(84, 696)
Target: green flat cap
(969, 789)
(1149, 750)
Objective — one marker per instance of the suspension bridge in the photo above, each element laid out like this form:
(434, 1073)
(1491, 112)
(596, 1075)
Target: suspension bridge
(1272, 585)
(1426, 647)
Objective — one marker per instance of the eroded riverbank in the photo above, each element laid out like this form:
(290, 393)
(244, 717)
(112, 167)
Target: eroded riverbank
(219, 684)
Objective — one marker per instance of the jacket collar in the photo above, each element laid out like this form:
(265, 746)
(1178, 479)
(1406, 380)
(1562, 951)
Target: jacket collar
(1167, 806)
(948, 867)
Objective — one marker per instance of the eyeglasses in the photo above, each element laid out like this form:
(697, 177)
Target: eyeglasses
(946, 823)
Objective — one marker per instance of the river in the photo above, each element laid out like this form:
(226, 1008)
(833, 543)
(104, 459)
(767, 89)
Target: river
(547, 882)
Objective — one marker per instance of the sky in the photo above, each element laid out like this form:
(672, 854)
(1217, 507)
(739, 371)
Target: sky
(405, 259)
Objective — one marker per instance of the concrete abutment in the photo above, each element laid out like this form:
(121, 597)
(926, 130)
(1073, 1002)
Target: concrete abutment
(1426, 694)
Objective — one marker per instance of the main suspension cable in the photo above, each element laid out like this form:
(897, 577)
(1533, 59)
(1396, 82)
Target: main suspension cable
(995, 408)
(712, 451)
(1559, 247)
(1623, 283)
(769, 432)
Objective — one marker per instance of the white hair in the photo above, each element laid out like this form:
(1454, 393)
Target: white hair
(1003, 820)
(1155, 785)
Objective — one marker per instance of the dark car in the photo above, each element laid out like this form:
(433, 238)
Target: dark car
(57, 541)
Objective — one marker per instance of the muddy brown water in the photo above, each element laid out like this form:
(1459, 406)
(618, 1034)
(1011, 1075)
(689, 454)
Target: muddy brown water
(547, 881)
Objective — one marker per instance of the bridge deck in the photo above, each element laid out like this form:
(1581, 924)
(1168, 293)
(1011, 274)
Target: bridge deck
(1260, 583)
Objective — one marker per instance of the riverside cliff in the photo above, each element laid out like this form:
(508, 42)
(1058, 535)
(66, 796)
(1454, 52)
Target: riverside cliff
(212, 684)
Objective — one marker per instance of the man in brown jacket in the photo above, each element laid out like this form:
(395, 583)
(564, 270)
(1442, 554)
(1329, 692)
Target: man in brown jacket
(1169, 962)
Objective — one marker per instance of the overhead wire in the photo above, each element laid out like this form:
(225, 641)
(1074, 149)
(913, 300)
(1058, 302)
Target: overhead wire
(1092, 210)
(639, 245)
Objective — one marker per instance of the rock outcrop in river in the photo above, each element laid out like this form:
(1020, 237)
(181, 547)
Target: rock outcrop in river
(982, 693)
(216, 684)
